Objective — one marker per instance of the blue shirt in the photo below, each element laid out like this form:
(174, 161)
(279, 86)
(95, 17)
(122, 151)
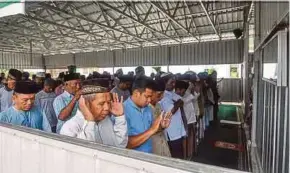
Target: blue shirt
(5, 99)
(176, 128)
(139, 120)
(45, 102)
(32, 118)
(61, 102)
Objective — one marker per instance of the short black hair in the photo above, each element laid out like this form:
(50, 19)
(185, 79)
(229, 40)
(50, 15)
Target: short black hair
(141, 84)
(179, 84)
(159, 85)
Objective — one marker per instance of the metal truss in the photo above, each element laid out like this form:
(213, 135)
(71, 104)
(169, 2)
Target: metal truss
(69, 27)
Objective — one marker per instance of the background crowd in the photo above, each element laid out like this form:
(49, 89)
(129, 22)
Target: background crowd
(164, 113)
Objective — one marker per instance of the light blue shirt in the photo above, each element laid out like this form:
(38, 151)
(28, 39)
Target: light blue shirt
(139, 120)
(61, 102)
(32, 118)
(45, 102)
(5, 99)
(176, 128)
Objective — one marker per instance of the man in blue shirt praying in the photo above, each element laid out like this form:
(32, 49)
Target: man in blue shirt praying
(139, 116)
(65, 105)
(24, 112)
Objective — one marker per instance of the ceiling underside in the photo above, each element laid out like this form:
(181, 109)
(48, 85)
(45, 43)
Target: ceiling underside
(64, 27)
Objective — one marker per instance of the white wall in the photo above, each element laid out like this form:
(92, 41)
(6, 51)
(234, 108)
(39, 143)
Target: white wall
(23, 150)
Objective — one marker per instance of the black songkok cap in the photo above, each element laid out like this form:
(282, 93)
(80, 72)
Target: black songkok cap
(166, 76)
(71, 76)
(14, 74)
(143, 83)
(181, 84)
(126, 78)
(49, 82)
(25, 87)
(159, 85)
(103, 82)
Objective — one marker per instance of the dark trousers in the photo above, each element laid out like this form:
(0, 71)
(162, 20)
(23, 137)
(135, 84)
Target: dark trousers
(53, 129)
(176, 148)
(215, 112)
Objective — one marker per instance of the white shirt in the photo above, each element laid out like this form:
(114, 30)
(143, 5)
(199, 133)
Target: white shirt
(110, 131)
(195, 103)
(188, 107)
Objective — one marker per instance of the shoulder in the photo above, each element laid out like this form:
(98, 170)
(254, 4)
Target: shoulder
(3, 116)
(35, 110)
(176, 96)
(73, 126)
(58, 99)
(6, 115)
(113, 90)
(127, 103)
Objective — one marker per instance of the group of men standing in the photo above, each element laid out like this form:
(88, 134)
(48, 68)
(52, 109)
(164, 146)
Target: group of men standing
(164, 115)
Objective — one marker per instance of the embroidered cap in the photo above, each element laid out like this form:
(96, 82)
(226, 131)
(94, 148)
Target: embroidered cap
(91, 89)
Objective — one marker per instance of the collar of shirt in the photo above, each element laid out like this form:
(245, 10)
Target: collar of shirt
(131, 103)
(171, 95)
(18, 110)
(21, 111)
(67, 94)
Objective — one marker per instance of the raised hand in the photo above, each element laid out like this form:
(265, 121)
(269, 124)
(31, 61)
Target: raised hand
(157, 123)
(78, 94)
(117, 106)
(85, 110)
(166, 120)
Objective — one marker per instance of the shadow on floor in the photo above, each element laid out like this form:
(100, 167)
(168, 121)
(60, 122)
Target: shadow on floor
(209, 154)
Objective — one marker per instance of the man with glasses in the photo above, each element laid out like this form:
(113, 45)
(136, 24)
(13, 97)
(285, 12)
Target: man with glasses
(24, 112)
(66, 104)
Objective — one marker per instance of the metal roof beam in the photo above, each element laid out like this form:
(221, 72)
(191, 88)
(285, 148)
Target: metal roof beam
(171, 18)
(40, 30)
(208, 17)
(140, 22)
(71, 28)
(94, 22)
(75, 29)
(192, 19)
(199, 14)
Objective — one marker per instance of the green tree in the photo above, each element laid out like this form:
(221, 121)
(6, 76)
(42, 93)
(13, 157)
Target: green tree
(157, 69)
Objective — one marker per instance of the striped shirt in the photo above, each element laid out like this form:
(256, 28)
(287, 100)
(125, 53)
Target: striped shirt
(45, 102)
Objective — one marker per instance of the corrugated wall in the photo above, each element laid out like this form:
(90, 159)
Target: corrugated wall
(270, 51)
(20, 60)
(267, 14)
(94, 59)
(271, 12)
(270, 125)
(230, 90)
(218, 52)
(59, 61)
(150, 56)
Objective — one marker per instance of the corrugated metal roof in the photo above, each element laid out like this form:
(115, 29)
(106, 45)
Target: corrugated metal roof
(98, 25)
